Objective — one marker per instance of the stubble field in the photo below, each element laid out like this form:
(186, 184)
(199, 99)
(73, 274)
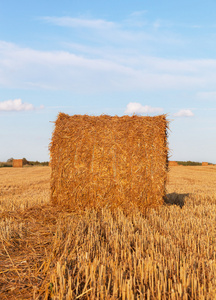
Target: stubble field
(46, 253)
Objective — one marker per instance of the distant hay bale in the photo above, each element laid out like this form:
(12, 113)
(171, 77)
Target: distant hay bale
(109, 161)
(204, 164)
(173, 163)
(17, 163)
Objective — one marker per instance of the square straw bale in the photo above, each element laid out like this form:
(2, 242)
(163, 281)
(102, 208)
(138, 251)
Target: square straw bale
(204, 164)
(99, 161)
(17, 163)
(173, 163)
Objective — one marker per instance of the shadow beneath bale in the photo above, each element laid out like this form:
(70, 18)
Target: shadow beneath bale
(175, 199)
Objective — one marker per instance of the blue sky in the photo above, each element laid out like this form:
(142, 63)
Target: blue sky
(111, 57)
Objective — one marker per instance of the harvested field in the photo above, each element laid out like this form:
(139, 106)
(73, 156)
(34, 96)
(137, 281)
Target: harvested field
(46, 253)
(21, 188)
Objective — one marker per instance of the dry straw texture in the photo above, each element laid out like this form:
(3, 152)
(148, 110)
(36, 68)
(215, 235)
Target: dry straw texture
(48, 253)
(17, 163)
(173, 163)
(109, 161)
(204, 164)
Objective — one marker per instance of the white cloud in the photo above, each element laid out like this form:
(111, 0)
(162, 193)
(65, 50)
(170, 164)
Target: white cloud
(28, 68)
(16, 105)
(80, 22)
(184, 113)
(100, 71)
(137, 108)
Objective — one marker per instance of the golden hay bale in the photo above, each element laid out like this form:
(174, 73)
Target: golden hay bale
(17, 163)
(109, 161)
(173, 163)
(204, 164)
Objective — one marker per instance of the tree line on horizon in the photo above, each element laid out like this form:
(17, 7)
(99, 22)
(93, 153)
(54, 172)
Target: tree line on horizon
(190, 163)
(9, 163)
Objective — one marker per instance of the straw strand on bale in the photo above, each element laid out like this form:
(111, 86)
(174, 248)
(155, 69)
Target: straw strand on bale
(109, 161)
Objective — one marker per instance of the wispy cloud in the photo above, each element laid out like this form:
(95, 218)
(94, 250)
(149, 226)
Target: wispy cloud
(80, 22)
(138, 108)
(157, 24)
(139, 13)
(207, 96)
(103, 70)
(137, 19)
(16, 105)
(184, 113)
(127, 30)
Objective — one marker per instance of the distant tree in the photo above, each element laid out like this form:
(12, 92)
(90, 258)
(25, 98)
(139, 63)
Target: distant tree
(10, 160)
(25, 161)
